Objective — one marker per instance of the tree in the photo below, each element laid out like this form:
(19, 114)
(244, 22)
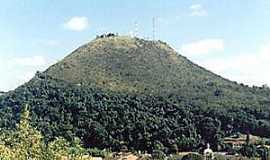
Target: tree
(263, 152)
(158, 146)
(27, 143)
(210, 131)
(6, 153)
(173, 148)
(158, 155)
(192, 156)
(248, 150)
(58, 148)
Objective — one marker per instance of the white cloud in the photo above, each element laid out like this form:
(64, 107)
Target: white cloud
(77, 23)
(248, 68)
(202, 47)
(198, 10)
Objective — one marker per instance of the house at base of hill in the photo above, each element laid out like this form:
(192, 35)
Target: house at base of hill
(237, 141)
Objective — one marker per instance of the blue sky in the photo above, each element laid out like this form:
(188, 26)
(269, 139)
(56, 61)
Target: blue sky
(228, 37)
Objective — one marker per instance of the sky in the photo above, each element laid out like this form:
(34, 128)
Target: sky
(229, 37)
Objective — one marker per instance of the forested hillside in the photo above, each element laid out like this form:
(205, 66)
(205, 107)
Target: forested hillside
(122, 91)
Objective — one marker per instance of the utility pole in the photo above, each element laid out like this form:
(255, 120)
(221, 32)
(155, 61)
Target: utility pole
(136, 30)
(154, 27)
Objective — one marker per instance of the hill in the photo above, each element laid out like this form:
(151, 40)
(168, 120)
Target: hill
(120, 63)
(129, 64)
(133, 65)
(119, 91)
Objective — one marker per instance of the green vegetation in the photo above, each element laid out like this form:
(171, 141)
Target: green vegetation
(158, 155)
(192, 156)
(249, 150)
(25, 142)
(120, 91)
(111, 119)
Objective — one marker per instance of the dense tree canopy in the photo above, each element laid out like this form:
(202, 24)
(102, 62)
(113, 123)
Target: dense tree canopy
(112, 119)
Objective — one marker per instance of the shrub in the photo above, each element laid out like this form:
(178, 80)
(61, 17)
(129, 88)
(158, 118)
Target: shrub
(95, 152)
(158, 155)
(248, 150)
(192, 156)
